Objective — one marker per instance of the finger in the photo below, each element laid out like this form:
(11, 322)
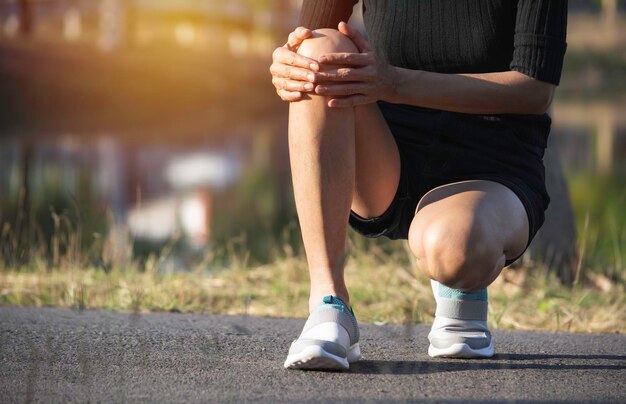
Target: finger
(292, 41)
(343, 89)
(357, 38)
(303, 33)
(347, 58)
(351, 101)
(291, 85)
(291, 72)
(295, 38)
(285, 56)
(346, 74)
(289, 95)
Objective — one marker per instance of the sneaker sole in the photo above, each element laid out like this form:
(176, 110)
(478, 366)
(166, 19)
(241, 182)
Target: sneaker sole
(461, 350)
(314, 357)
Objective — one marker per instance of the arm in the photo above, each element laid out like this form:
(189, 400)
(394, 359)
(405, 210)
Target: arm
(361, 78)
(527, 88)
(508, 92)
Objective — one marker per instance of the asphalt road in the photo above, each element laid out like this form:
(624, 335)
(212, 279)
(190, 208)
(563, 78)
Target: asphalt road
(57, 355)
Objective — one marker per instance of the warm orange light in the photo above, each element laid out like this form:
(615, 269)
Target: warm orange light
(185, 33)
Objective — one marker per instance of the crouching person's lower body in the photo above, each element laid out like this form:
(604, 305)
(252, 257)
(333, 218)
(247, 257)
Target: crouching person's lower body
(363, 166)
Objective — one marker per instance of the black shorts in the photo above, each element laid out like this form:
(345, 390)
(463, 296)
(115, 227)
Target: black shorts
(439, 147)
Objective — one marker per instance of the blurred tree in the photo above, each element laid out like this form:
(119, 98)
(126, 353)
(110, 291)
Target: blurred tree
(23, 221)
(117, 20)
(25, 17)
(555, 243)
(609, 15)
(131, 22)
(282, 9)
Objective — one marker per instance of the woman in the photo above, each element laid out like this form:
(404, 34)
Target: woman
(433, 130)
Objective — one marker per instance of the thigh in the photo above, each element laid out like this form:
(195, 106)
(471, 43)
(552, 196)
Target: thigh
(377, 163)
(477, 207)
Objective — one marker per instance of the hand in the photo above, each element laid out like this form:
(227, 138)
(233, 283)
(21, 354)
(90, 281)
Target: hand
(293, 74)
(355, 78)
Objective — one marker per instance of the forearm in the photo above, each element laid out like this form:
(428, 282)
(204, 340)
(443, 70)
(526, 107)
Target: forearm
(485, 93)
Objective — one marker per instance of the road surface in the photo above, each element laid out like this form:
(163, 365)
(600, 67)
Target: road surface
(58, 355)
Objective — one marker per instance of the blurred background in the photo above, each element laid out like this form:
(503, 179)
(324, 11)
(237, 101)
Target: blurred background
(130, 128)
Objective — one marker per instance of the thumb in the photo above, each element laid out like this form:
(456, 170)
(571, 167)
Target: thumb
(357, 38)
(297, 36)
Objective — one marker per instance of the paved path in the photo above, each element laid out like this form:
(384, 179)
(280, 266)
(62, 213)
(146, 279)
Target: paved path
(57, 355)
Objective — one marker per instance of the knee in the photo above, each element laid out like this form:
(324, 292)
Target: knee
(326, 40)
(458, 256)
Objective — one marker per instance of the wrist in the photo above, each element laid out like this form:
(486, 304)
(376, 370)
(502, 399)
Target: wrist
(403, 85)
(394, 78)
(408, 86)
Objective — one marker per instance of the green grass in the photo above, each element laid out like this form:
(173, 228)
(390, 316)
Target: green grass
(601, 222)
(385, 288)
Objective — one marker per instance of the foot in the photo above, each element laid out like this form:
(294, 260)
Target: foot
(329, 340)
(460, 327)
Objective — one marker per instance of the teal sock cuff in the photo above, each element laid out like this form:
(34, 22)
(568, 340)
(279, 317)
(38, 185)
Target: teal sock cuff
(449, 293)
(338, 304)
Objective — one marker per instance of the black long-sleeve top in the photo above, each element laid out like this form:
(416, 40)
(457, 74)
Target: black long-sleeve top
(458, 36)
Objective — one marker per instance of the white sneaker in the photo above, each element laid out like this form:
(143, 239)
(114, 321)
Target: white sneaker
(460, 329)
(329, 340)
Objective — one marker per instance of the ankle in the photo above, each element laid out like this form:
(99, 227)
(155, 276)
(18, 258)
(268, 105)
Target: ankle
(442, 291)
(317, 296)
(460, 305)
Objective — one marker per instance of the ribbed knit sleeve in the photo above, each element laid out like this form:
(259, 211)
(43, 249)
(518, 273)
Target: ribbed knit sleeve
(325, 13)
(539, 42)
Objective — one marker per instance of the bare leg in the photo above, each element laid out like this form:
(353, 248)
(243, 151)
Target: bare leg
(463, 233)
(326, 151)
(461, 236)
(321, 146)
